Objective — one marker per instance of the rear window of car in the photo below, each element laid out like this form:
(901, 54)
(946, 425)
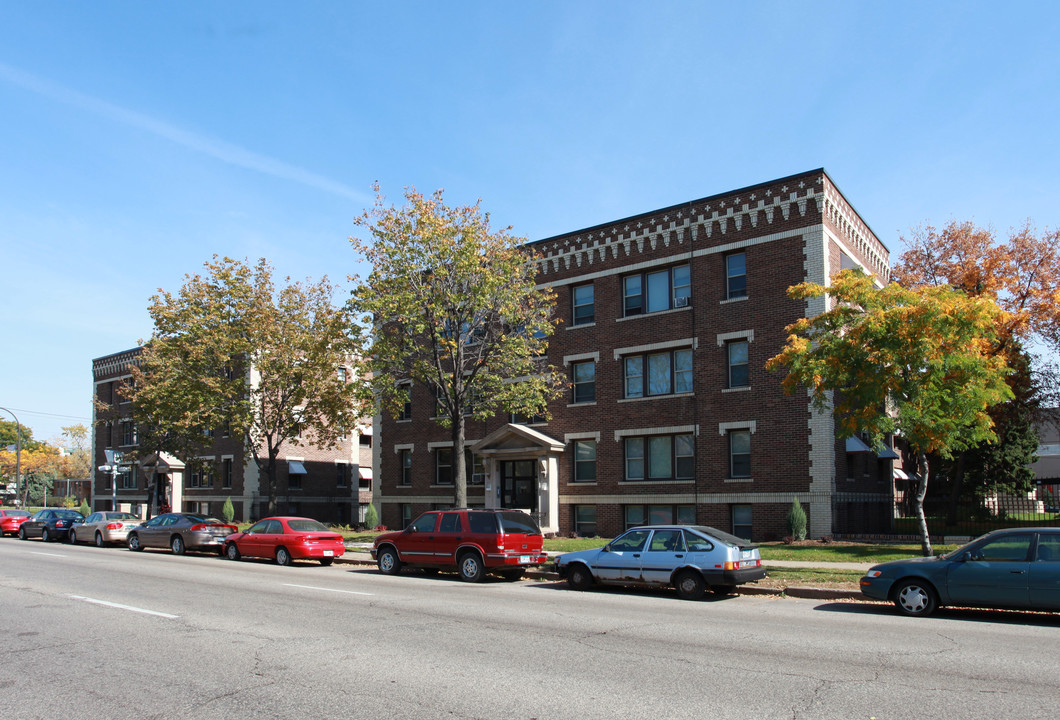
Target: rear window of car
(307, 526)
(517, 522)
(16, 513)
(67, 514)
(204, 520)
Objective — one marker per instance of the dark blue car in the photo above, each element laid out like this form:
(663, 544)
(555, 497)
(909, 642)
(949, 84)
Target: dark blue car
(1016, 568)
(50, 524)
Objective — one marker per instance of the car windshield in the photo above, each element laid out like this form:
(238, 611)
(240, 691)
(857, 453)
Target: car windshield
(517, 522)
(307, 526)
(955, 553)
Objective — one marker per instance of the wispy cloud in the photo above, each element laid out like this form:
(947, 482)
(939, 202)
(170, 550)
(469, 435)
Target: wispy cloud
(223, 151)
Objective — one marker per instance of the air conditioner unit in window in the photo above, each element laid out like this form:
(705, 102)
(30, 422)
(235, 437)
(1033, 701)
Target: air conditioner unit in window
(680, 301)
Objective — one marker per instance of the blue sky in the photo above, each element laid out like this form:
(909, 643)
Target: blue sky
(140, 138)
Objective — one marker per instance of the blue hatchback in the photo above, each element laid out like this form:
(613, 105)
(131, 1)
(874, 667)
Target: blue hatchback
(1016, 568)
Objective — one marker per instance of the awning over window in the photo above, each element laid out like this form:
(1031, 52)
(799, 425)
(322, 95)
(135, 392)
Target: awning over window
(900, 474)
(885, 453)
(295, 467)
(364, 473)
(855, 445)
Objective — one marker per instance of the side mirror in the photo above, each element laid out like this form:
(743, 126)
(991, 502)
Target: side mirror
(411, 529)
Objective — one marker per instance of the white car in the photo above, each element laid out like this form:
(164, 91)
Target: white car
(691, 558)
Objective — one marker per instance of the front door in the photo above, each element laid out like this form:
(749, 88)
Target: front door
(519, 483)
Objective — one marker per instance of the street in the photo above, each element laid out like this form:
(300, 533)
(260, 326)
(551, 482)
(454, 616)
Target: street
(110, 633)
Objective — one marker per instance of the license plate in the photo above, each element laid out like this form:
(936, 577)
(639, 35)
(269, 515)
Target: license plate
(747, 563)
(525, 559)
(329, 553)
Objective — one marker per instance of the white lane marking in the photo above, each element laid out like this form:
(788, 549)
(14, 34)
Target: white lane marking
(311, 587)
(125, 607)
(34, 552)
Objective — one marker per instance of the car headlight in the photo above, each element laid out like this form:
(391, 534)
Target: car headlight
(874, 573)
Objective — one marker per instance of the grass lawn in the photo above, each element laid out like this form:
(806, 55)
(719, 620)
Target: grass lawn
(845, 552)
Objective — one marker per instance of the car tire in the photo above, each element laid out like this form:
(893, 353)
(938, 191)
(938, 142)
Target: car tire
(22, 534)
(283, 556)
(99, 539)
(579, 577)
(690, 585)
(176, 544)
(45, 535)
(915, 598)
(326, 561)
(231, 551)
(723, 589)
(71, 537)
(389, 563)
(470, 565)
(133, 541)
(512, 575)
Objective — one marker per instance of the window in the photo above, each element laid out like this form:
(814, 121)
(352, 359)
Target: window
(294, 480)
(406, 406)
(739, 453)
(425, 523)
(443, 467)
(663, 373)
(406, 515)
(128, 432)
(450, 523)
(342, 475)
(1007, 548)
(656, 291)
(226, 473)
(630, 542)
(405, 462)
(738, 366)
(128, 480)
(585, 520)
(202, 476)
(476, 464)
(585, 462)
(736, 275)
(584, 381)
(523, 419)
(660, 457)
(342, 374)
(667, 541)
(582, 299)
(741, 521)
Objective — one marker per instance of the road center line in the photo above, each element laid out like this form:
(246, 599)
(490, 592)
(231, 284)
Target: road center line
(34, 552)
(311, 587)
(124, 607)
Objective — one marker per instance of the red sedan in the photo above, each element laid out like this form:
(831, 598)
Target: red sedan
(286, 539)
(10, 520)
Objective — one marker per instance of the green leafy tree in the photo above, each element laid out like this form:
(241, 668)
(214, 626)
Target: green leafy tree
(228, 511)
(893, 359)
(797, 520)
(231, 350)
(452, 306)
(9, 432)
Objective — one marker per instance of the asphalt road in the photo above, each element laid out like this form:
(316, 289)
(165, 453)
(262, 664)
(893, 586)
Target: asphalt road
(113, 634)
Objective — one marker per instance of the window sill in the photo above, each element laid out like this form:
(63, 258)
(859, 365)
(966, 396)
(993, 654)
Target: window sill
(582, 325)
(738, 480)
(660, 481)
(583, 483)
(742, 388)
(588, 403)
(654, 314)
(657, 397)
(732, 300)
(447, 487)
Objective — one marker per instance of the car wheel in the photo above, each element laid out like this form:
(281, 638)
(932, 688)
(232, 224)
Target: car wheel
(283, 556)
(389, 564)
(22, 533)
(99, 539)
(471, 569)
(231, 551)
(326, 561)
(71, 537)
(690, 585)
(723, 589)
(915, 598)
(45, 535)
(176, 544)
(133, 541)
(512, 575)
(579, 577)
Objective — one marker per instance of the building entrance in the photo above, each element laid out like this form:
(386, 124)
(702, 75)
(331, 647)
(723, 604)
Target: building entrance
(518, 485)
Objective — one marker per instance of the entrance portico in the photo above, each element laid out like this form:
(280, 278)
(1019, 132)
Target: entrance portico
(522, 472)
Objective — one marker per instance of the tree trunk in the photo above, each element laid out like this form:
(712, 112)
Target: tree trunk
(459, 465)
(270, 475)
(921, 492)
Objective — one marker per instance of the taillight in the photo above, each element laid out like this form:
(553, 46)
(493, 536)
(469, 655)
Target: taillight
(200, 528)
(736, 565)
(114, 526)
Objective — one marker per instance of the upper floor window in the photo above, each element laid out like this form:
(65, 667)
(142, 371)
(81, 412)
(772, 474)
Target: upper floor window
(584, 385)
(342, 374)
(660, 457)
(342, 475)
(517, 418)
(405, 462)
(657, 290)
(736, 275)
(584, 461)
(662, 373)
(226, 473)
(128, 432)
(405, 413)
(737, 361)
(443, 468)
(739, 453)
(582, 299)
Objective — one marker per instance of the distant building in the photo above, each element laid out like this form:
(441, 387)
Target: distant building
(666, 321)
(1046, 468)
(333, 486)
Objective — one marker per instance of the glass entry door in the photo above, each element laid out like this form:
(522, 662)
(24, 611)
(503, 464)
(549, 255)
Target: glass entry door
(518, 485)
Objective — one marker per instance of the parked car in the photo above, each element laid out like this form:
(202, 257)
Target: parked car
(105, 527)
(691, 558)
(10, 519)
(1015, 568)
(285, 539)
(180, 532)
(472, 542)
(50, 524)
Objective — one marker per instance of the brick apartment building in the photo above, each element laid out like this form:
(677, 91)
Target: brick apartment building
(333, 486)
(666, 321)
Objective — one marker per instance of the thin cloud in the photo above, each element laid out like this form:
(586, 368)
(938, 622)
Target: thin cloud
(225, 152)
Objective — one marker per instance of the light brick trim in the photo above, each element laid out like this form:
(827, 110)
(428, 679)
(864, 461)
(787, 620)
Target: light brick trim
(692, 342)
(673, 430)
(725, 427)
(748, 335)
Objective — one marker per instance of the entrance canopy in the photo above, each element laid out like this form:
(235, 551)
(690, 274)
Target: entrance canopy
(516, 440)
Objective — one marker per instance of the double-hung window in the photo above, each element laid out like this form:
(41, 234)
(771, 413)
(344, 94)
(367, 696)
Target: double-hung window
(660, 457)
(736, 275)
(443, 469)
(584, 385)
(582, 298)
(664, 373)
(738, 365)
(405, 459)
(739, 453)
(405, 412)
(657, 290)
(584, 461)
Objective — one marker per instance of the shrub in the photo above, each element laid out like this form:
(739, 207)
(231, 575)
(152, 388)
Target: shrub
(797, 520)
(85, 509)
(228, 511)
(371, 517)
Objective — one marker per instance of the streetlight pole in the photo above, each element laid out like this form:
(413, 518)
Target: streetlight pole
(18, 453)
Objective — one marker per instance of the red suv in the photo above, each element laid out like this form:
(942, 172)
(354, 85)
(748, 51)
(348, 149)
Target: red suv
(472, 542)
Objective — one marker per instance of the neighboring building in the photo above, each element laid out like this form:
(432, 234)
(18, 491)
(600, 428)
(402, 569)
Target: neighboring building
(333, 486)
(1046, 467)
(666, 321)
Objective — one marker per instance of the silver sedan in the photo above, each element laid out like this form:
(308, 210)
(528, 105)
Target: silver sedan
(105, 527)
(180, 532)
